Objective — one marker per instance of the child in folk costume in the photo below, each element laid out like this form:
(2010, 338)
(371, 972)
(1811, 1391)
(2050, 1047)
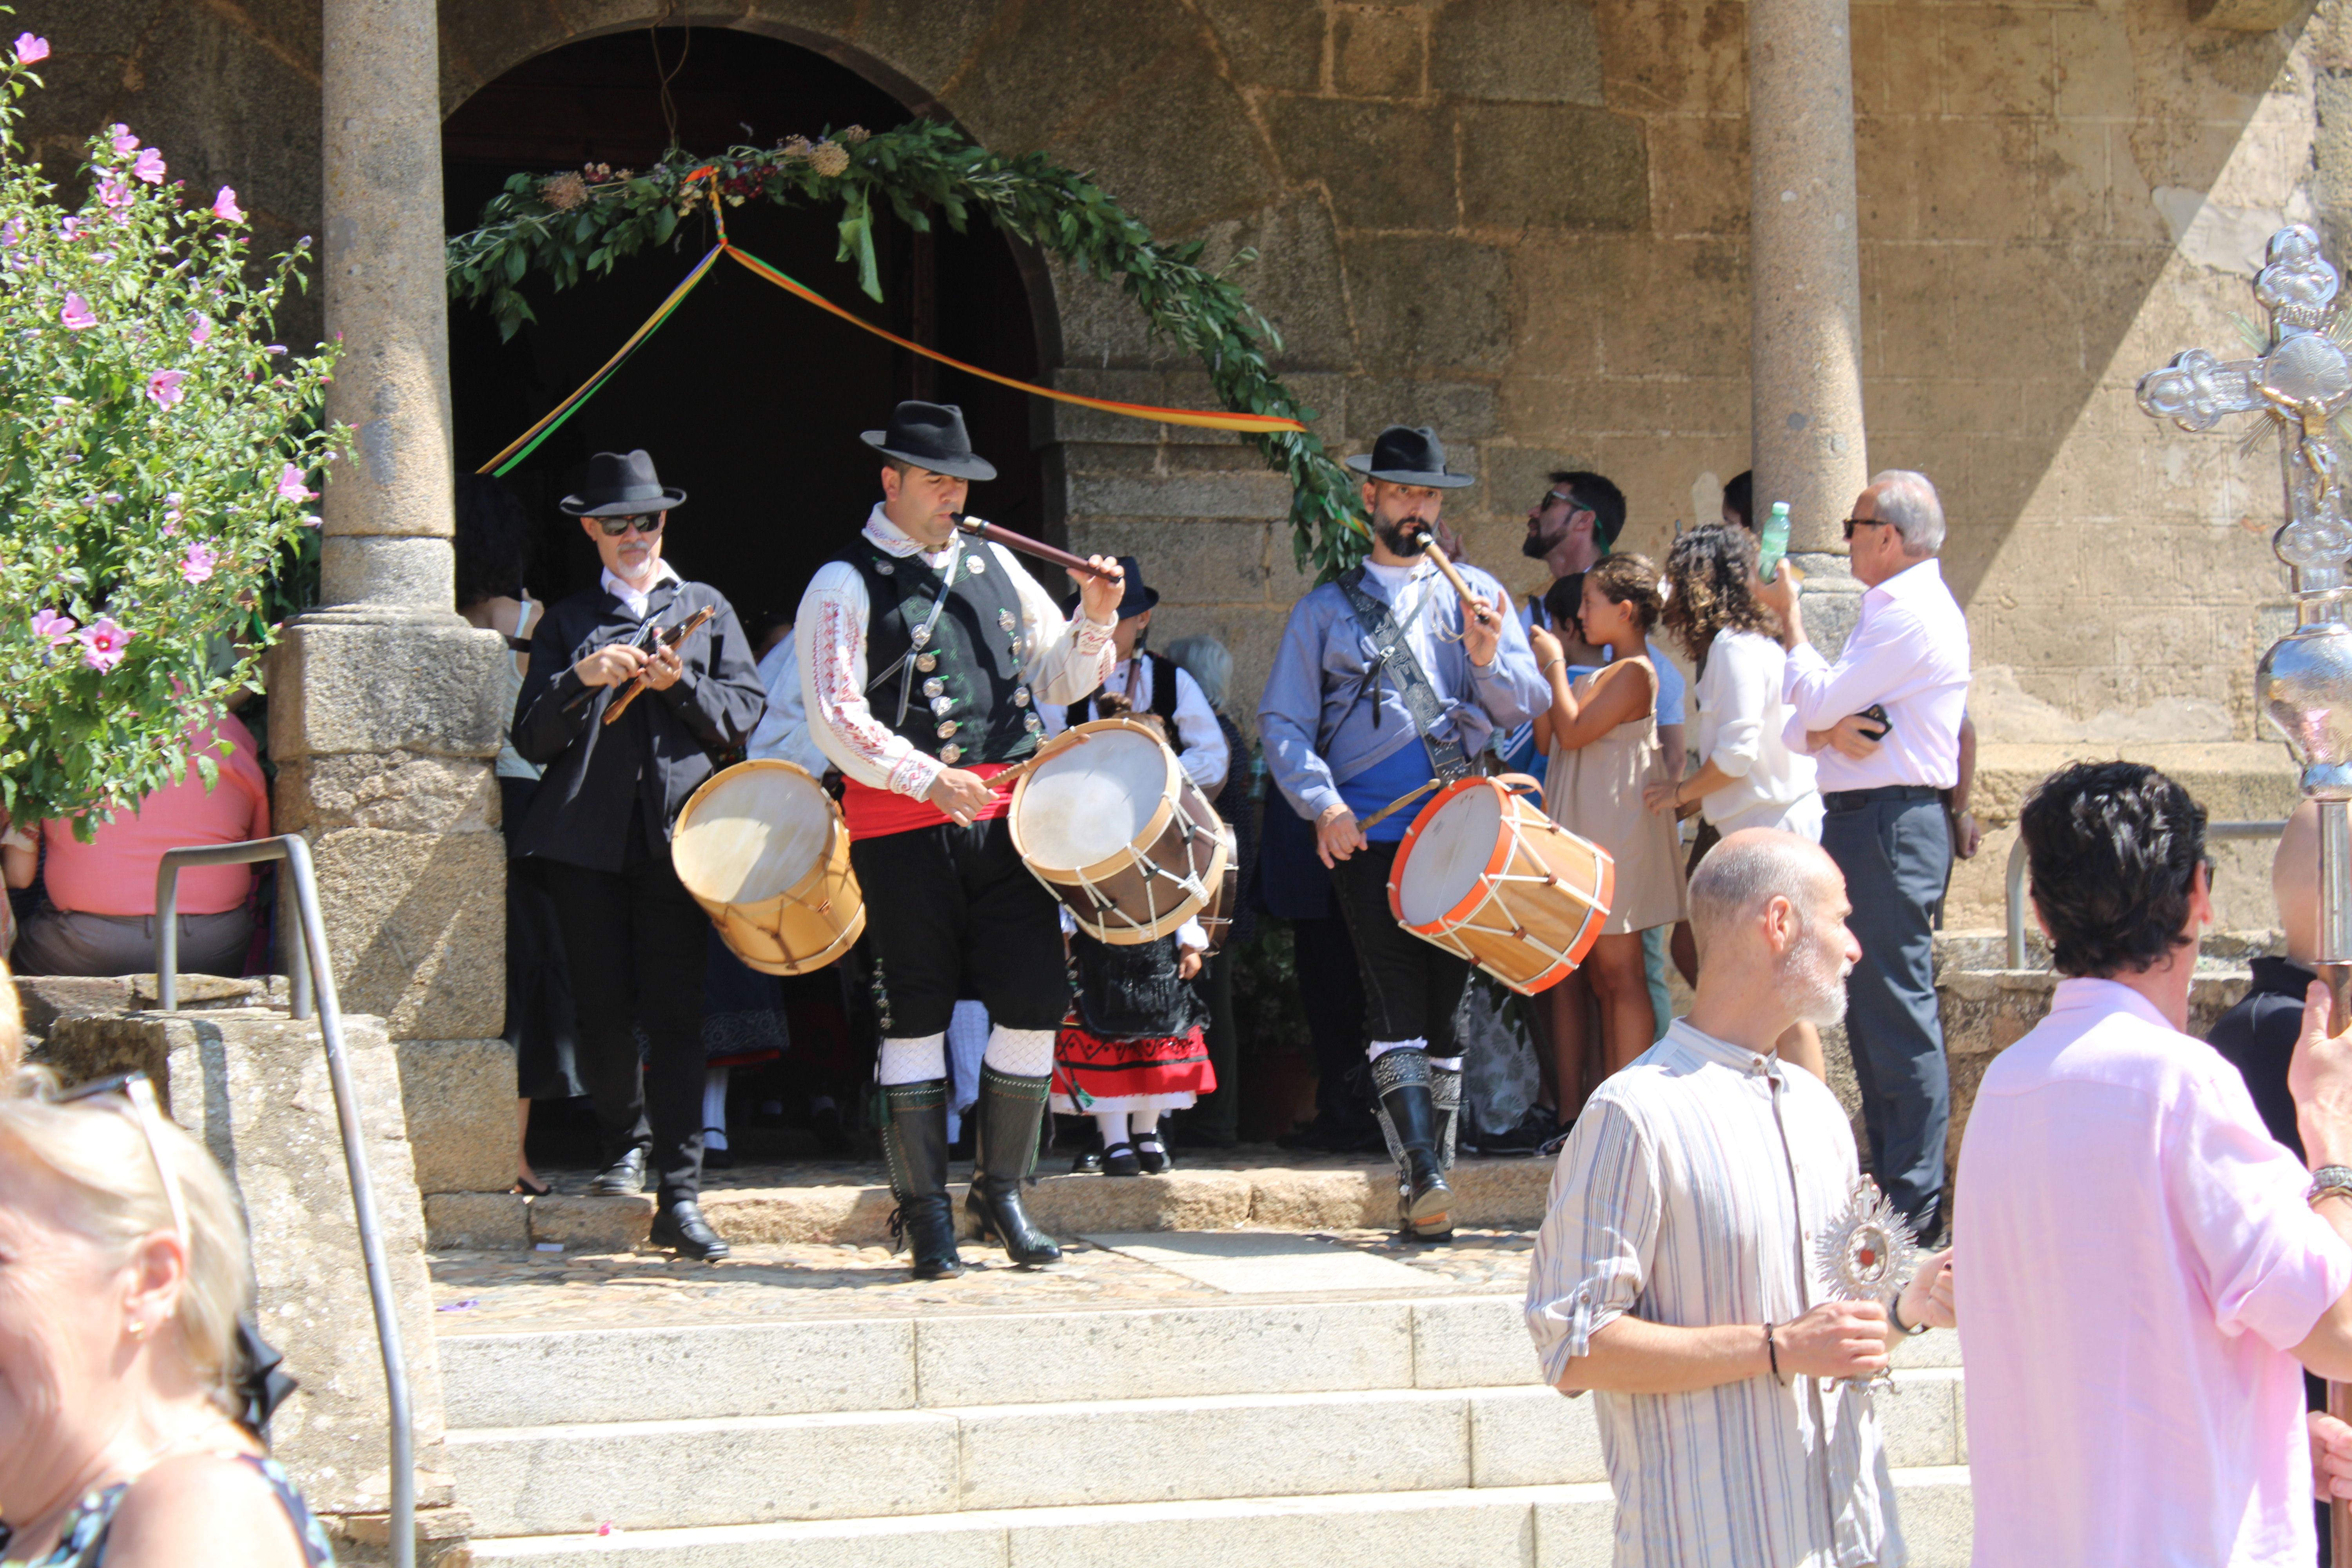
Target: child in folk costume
(1132, 1045)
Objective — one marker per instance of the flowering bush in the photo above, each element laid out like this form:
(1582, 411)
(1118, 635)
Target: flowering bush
(156, 459)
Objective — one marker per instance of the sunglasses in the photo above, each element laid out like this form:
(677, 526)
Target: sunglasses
(1854, 522)
(138, 1102)
(643, 523)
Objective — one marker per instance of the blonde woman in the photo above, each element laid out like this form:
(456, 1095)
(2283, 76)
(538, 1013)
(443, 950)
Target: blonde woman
(123, 1271)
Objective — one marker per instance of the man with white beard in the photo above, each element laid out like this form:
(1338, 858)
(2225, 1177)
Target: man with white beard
(1677, 1255)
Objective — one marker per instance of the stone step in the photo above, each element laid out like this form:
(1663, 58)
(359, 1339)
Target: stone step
(641, 1474)
(1502, 1194)
(944, 1361)
(1539, 1527)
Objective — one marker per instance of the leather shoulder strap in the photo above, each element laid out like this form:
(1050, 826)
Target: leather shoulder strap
(1393, 655)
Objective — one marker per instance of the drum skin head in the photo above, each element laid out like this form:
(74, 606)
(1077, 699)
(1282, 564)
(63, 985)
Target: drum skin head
(752, 834)
(1486, 875)
(1112, 827)
(1455, 848)
(1088, 802)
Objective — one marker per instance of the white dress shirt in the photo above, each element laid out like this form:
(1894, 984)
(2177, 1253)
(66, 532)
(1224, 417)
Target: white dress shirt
(1909, 652)
(637, 600)
(1205, 755)
(1741, 716)
(784, 732)
(1064, 659)
(1691, 1193)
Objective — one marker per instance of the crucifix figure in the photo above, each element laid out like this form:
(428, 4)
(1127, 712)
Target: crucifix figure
(2304, 684)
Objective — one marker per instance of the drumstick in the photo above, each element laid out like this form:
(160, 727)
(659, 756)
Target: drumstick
(1399, 804)
(692, 623)
(1027, 546)
(1020, 770)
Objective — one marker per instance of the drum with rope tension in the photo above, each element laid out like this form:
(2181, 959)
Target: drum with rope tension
(764, 850)
(1108, 820)
(1487, 876)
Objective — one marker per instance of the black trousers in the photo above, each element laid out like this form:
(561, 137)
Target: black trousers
(952, 911)
(634, 939)
(1412, 987)
(1331, 994)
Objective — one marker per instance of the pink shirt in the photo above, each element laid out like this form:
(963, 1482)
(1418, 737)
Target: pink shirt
(1909, 654)
(2135, 1261)
(115, 873)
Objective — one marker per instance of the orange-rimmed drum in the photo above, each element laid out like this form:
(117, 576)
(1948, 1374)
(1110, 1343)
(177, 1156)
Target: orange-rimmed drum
(764, 851)
(1110, 823)
(1487, 876)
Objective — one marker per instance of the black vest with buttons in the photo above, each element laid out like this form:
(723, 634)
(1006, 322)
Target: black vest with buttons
(967, 703)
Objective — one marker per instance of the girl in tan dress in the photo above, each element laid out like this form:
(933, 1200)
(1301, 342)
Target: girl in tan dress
(1602, 737)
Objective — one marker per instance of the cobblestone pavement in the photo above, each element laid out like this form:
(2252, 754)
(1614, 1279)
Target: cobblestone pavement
(476, 1292)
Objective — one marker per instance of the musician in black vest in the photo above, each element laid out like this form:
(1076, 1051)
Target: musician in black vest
(599, 825)
(924, 657)
(1384, 682)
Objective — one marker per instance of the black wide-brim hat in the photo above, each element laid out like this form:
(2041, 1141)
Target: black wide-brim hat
(1405, 454)
(1138, 598)
(930, 436)
(621, 484)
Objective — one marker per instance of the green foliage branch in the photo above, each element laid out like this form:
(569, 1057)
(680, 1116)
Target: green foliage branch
(155, 451)
(566, 227)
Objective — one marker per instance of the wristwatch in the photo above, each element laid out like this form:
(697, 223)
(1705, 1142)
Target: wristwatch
(1894, 1316)
(2329, 1179)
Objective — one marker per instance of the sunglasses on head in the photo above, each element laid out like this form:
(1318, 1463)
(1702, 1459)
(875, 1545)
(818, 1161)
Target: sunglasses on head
(138, 1102)
(643, 523)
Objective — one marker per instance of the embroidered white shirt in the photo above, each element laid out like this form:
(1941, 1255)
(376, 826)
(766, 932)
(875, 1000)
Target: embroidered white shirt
(635, 599)
(1690, 1193)
(1064, 659)
(1205, 755)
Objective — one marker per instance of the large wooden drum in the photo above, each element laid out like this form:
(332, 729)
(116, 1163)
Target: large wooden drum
(1109, 822)
(764, 851)
(1487, 876)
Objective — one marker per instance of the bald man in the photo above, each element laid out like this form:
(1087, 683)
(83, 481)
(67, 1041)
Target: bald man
(1675, 1258)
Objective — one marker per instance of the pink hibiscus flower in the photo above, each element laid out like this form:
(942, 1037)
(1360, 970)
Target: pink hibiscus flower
(113, 192)
(290, 486)
(198, 564)
(53, 626)
(149, 167)
(103, 643)
(123, 142)
(164, 386)
(76, 315)
(31, 50)
(200, 329)
(225, 207)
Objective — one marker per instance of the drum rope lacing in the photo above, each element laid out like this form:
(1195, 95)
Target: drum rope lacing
(1491, 880)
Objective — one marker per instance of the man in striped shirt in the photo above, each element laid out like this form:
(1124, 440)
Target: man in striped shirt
(1674, 1273)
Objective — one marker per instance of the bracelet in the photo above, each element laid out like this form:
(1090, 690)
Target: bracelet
(1894, 1316)
(1772, 1351)
(1547, 668)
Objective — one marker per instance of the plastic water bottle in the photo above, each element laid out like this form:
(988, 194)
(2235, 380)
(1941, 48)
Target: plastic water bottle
(1776, 541)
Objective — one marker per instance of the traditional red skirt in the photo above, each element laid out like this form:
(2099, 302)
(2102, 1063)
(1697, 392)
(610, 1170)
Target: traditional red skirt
(1095, 1072)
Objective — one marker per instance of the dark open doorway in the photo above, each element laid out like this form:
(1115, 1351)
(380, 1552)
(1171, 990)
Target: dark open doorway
(749, 399)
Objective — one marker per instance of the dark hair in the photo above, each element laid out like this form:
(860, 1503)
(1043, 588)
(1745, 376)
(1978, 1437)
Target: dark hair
(1740, 495)
(1710, 568)
(1631, 580)
(759, 623)
(495, 540)
(1596, 494)
(1563, 601)
(2111, 848)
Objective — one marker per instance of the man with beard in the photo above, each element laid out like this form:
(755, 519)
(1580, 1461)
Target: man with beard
(1676, 1256)
(1384, 681)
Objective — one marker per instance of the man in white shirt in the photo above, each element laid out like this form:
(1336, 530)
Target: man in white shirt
(923, 659)
(1146, 683)
(1892, 704)
(1673, 1276)
(784, 732)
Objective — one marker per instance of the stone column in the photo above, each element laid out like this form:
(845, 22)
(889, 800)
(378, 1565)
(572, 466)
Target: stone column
(1804, 276)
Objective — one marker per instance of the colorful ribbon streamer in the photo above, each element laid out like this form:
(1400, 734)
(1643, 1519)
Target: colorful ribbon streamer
(513, 454)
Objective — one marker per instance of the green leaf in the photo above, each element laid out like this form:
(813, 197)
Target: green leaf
(210, 770)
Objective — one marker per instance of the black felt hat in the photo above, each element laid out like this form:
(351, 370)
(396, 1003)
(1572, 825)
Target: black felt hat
(621, 484)
(1406, 456)
(1138, 598)
(930, 436)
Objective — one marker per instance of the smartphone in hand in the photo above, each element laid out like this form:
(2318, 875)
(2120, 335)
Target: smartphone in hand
(1877, 714)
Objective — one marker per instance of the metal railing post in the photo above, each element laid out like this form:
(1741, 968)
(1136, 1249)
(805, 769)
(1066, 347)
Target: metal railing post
(312, 978)
(2014, 891)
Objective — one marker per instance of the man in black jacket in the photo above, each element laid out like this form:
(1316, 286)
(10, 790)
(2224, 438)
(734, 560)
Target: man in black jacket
(601, 825)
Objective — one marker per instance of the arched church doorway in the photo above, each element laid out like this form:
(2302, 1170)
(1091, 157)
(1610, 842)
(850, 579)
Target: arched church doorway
(749, 399)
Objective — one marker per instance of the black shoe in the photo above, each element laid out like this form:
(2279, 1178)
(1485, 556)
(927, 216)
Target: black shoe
(1334, 1135)
(1151, 1154)
(915, 1145)
(623, 1177)
(681, 1228)
(1121, 1160)
(1007, 1116)
(1525, 1136)
(1424, 1201)
(719, 1158)
(1089, 1160)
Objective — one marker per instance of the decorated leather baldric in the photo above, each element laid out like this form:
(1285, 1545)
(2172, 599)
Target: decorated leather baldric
(1393, 658)
(945, 672)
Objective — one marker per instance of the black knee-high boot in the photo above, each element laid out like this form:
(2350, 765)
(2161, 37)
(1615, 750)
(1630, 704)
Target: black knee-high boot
(1446, 1098)
(1008, 1114)
(915, 1142)
(1409, 1114)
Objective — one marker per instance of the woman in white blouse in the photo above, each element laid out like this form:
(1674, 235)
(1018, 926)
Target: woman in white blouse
(1748, 777)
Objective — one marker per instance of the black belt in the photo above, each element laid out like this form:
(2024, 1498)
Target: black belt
(1855, 799)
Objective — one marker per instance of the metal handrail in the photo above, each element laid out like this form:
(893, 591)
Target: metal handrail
(308, 961)
(2014, 893)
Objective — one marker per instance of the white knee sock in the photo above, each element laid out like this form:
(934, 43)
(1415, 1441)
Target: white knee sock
(1113, 1125)
(917, 1060)
(714, 1108)
(1447, 1064)
(1019, 1053)
(1380, 1048)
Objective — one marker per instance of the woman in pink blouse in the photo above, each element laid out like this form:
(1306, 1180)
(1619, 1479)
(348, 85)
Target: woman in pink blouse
(98, 917)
